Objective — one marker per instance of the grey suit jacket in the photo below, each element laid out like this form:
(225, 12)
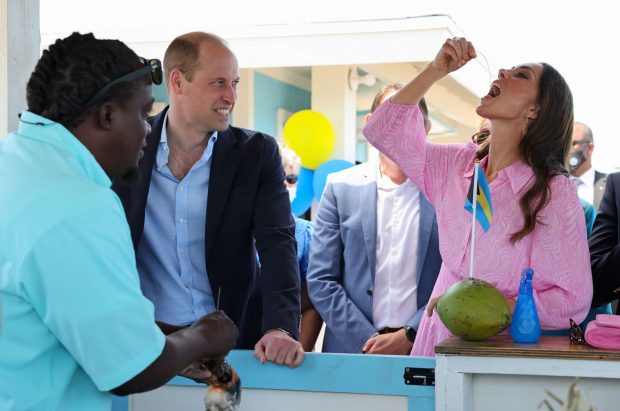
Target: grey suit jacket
(341, 272)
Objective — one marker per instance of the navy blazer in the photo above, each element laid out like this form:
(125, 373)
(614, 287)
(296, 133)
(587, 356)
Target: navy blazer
(600, 179)
(248, 209)
(342, 266)
(605, 245)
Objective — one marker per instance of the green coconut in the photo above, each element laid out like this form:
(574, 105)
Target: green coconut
(473, 310)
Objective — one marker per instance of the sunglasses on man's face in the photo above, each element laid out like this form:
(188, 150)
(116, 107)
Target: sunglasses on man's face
(291, 178)
(152, 66)
(575, 334)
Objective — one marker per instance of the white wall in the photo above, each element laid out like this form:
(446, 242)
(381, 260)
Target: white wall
(19, 52)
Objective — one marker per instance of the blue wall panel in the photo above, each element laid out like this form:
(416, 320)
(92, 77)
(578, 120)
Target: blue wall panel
(271, 94)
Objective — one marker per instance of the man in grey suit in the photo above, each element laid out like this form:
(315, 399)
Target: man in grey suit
(375, 256)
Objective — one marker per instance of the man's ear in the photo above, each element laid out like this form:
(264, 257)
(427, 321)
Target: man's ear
(175, 81)
(105, 116)
(366, 118)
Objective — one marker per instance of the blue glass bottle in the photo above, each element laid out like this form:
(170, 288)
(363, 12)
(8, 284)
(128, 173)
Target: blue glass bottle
(525, 326)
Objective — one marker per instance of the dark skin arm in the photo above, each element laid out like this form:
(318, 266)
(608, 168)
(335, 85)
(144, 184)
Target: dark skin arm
(169, 328)
(196, 370)
(212, 336)
(311, 321)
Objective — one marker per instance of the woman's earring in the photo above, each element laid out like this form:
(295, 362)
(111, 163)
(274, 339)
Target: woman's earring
(525, 128)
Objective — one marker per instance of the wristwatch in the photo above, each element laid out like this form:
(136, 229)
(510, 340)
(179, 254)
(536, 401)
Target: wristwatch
(410, 333)
(281, 330)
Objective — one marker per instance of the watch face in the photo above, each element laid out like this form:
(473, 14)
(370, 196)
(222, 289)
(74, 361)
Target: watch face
(410, 333)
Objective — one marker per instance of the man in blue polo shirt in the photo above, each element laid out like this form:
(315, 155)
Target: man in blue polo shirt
(75, 325)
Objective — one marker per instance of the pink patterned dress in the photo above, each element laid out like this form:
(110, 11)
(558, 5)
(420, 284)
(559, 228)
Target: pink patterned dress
(557, 249)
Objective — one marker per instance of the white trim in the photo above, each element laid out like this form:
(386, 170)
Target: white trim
(287, 76)
(532, 366)
(465, 383)
(19, 52)
(394, 40)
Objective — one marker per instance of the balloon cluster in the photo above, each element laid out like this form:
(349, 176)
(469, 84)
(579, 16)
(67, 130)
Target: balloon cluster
(311, 136)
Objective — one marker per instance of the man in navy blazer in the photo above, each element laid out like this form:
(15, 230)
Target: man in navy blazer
(605, 246)
(210, 197)
(374, 257)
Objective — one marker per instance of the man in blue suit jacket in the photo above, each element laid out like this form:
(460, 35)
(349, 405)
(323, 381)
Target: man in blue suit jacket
(370, 288)
(212, 196)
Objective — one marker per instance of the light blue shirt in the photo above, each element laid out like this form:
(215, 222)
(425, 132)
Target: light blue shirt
(74, 322)
(171, 253)
(303, 235)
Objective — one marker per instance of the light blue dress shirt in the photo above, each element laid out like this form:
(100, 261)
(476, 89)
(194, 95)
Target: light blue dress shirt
(303, 235)
(171, 253)
(74, 322)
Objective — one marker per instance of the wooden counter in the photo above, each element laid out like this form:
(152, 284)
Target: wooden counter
(500, 374)
(547, 347)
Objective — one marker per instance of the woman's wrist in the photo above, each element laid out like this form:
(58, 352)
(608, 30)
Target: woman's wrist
(434, 73)
(413, 92)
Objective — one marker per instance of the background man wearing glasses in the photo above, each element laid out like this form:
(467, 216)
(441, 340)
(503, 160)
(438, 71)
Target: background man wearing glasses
(589, 182)
(210, 197)
(75, 323)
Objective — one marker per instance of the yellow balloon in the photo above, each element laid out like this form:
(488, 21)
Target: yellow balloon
(310, 134)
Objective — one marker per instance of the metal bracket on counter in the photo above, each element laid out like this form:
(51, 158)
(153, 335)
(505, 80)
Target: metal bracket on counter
(419, 376)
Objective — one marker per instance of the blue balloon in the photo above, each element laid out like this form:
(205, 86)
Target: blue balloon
(325, 169)
(304, 195)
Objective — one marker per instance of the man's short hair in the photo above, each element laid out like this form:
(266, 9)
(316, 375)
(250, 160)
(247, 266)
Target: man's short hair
(291, 162)
(394, 87)
(184, 52)
(587, 131)
(388, 88)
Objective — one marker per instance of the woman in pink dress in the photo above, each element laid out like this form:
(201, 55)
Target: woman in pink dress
(537, 219)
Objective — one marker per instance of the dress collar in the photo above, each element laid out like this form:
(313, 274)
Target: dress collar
(518, 174)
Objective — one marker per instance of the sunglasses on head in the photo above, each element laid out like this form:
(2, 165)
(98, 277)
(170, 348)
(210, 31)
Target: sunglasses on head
(152, 66)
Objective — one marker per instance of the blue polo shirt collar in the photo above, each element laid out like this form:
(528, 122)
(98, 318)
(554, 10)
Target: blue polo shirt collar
(47, 131)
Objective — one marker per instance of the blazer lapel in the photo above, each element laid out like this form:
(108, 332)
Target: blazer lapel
(150, 154)
(136, 197)
(368, 206)
(226, 156)
(600, 179)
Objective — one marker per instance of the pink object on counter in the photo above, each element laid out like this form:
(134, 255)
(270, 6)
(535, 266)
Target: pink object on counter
(604, 332)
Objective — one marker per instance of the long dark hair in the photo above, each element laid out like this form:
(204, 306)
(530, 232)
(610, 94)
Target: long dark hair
(546, 145)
